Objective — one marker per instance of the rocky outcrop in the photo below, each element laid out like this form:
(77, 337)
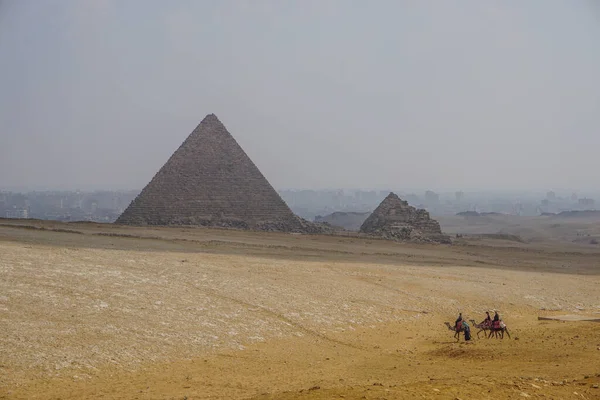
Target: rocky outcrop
(351, 221)
(211, 181)
(395, 219)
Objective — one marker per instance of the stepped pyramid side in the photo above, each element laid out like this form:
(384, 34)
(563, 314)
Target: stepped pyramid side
(211, 181)
(395, 219)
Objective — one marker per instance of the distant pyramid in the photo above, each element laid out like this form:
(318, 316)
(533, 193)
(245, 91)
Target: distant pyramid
(395, 219)
(210, 181)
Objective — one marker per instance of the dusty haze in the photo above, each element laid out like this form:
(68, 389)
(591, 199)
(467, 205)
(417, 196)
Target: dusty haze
(470, 94)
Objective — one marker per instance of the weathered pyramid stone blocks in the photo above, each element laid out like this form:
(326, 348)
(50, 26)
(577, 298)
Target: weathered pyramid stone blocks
(211, 181)
(395, 219)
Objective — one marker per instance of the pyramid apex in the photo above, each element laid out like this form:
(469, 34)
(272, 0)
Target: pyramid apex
(210, 123)
(211, 117)
(393, 197)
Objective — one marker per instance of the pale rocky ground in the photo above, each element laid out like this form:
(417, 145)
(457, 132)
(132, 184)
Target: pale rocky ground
(243, 315)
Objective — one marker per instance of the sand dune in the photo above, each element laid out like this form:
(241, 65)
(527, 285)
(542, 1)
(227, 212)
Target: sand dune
(91, 311)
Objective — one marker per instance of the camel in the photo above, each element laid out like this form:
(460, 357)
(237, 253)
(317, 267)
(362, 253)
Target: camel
(483, 327)
(501, 330)
(453, 329)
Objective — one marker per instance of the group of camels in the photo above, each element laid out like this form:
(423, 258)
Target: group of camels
(482, 327)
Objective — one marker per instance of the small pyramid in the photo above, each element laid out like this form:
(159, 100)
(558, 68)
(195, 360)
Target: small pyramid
(395, 219)
(211, 181)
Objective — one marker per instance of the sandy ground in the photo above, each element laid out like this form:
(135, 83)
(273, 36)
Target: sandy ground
(125, 313)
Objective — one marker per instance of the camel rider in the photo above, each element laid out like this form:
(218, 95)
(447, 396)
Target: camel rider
(496, 322)
(488, 319)
(458, 322)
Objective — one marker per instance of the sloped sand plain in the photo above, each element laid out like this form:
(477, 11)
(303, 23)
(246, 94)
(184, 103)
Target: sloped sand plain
(94, 311)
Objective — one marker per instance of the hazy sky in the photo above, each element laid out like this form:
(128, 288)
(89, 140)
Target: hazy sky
(373, 94)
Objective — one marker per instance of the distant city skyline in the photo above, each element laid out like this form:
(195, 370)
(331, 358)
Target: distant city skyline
(106, 206)
(419, 191)
(560, 192)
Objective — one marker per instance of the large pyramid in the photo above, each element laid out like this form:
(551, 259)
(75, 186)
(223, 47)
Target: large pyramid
(210, 181)
(395, 219)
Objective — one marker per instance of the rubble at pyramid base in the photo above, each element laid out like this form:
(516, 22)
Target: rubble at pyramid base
(297, 225)
(407, 233)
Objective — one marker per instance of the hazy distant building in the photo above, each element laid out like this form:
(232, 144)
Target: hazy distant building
(518, 209)
(3, 204)
(574, 197)
(21, 213)
(432, 197)
(551, 195)
(413, 199)
(585, 202)
(459, 196)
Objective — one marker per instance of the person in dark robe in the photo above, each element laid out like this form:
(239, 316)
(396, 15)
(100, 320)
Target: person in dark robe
(458, 322)
(488, 319)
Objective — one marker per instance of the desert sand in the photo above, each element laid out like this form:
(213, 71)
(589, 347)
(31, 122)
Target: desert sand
(99, 311)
